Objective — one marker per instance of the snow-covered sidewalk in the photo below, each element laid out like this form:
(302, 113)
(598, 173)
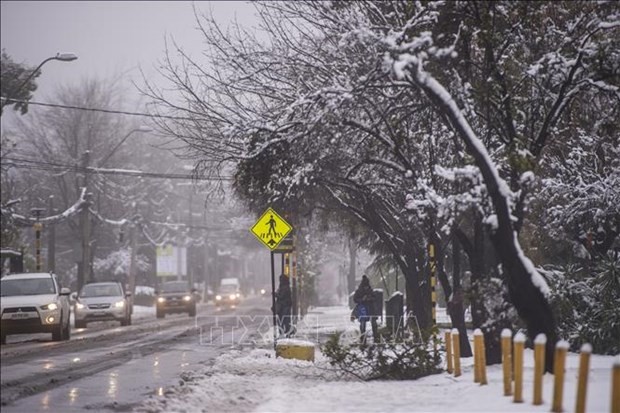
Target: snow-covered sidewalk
(252, 379)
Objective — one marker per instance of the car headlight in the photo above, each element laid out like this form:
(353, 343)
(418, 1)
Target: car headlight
(218, 297)
(187, 298)
(161, 300)
(50, 306)
(233, 296)
(119, 304)
(238, 295)
(262, 291)
(79, 306)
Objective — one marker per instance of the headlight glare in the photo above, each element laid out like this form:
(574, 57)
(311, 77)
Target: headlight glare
(218, 297)
(187, 298)
(50, 306)
(161, 300)
(119, 304)
(79, 306)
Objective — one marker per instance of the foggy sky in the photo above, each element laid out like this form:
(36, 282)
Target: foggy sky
(111, 38)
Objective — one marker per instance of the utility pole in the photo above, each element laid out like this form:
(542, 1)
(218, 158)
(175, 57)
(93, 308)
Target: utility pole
(85, 225)
(84, 264)
(189, 262)
(133, 230)
(37, 237)
(51, 239)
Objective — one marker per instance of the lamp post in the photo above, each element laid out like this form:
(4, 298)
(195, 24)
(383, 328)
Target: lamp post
(61, 57)
(141, 129)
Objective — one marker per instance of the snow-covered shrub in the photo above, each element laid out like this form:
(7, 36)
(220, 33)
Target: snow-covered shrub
(116, 265)
(144, 295)
(404, 360)
(586, 305)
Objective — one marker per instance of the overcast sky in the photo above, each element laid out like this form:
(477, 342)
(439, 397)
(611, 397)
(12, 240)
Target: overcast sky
(110, 37)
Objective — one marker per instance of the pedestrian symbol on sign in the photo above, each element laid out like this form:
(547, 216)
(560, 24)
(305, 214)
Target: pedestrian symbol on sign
(270, 229)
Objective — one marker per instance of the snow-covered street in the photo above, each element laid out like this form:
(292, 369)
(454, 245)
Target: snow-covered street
(253, 380)
(306, 206)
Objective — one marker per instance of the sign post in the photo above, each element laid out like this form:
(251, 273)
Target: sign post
(270, 229)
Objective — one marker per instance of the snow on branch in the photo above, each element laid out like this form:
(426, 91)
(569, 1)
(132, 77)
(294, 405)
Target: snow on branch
(69, 213)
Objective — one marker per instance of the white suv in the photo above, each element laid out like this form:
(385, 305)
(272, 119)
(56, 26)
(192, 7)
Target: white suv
(34, 303)
(101, 301)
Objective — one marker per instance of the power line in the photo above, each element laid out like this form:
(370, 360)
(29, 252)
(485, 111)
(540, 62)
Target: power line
(116, 112)
(31, 164)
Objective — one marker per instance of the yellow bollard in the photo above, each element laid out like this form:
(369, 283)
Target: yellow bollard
(615, 387)
(295, 349)
(456, 347)
(561, 348)
(582, 382)
(477, 354)
(483, 363)
(507, 361)
(519, 342)
(539, 367)
(448, 340)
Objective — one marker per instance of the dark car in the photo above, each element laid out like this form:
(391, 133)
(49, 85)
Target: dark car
(176, 297)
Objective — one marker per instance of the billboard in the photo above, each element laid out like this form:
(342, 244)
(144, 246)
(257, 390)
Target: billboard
(171, 261)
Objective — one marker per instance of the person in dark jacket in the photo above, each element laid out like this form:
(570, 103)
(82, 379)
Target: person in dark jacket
(363, 298)
(283, 306)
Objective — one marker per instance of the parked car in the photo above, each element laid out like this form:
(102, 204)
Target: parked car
(102, 301)
(34, 303)
(229, 293)
(176, 297)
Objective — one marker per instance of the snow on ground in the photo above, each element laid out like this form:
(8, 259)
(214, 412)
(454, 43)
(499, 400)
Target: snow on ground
(253, 380)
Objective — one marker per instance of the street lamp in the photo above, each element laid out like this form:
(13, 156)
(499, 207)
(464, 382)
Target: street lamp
(62, 57)
(140, 129)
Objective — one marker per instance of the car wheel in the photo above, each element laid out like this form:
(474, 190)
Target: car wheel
(3, 339)
(160, 314)
(80, 324)
(192, 312)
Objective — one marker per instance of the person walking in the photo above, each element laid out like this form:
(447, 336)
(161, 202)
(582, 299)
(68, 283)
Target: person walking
(283, 306)
(363, 298)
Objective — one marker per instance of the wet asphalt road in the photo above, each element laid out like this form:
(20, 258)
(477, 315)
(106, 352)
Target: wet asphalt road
(110, 368)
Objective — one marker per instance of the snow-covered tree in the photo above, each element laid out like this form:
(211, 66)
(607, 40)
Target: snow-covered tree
(368, 109)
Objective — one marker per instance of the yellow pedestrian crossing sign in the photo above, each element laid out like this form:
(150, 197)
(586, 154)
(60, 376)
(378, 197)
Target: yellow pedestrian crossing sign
(271, 229)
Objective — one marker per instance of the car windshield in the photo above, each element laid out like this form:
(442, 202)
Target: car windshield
(27, 286)
(174, 287)
(101, 290)
(228, 288)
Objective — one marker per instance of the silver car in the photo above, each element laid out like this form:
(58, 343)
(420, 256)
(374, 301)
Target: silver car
(102, 301)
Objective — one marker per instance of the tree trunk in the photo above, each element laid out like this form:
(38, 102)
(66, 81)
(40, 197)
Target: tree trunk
(418, 296)
(528, 299)
(352, 266)
(455, 302)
